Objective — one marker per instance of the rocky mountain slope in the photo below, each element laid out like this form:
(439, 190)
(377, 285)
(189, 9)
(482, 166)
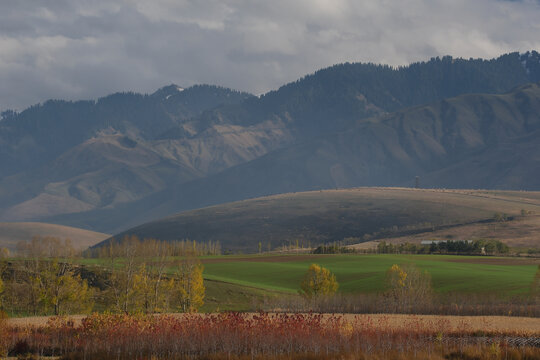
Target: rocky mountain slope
(128, 158)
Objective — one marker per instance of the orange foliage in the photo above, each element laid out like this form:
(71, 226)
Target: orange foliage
(263, 335)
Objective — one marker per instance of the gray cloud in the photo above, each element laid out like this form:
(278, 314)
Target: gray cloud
(86, 49)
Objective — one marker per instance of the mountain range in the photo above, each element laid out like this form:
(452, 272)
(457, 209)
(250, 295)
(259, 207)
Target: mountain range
(125, 159)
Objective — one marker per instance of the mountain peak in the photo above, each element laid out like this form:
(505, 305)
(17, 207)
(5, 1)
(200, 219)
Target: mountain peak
(167, 91)
(531, 62)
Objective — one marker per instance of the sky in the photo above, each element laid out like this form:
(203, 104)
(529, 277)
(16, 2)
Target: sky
(75, 49)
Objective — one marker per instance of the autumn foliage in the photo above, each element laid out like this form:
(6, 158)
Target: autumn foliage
(261, 335)
(318, 281)
(407, 288)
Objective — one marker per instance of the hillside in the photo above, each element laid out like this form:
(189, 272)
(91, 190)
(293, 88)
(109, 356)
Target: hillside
(334, 215)
(12, 233)
(490, 138)
(81, 156)
(332, 98)
(520, 233)
(128, 158)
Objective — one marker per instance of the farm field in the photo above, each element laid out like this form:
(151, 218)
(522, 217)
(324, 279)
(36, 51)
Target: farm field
(240, 282)
(365, 273)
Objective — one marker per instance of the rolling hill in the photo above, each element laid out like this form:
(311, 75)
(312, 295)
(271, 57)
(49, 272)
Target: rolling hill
(12, 233)
(470, 141)
(353, 215)
(128, 158)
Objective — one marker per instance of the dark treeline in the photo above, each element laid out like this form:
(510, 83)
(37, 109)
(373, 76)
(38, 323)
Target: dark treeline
(333, 249)
(460, 247)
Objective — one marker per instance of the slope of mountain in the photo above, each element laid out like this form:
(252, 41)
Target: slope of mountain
(130, 157)
(333, 215)
(331, 98)
(96, 155)
(12, 233)
(42, 132)
(470, 141)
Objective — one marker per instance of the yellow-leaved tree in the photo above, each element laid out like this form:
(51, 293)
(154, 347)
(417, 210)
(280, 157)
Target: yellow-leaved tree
(318, 281)
(150, 293)
(407, 288)
(61, 290)
(190, 285)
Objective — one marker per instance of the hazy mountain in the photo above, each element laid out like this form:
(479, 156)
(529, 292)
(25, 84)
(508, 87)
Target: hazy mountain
(128, 158)
(331, 98)
(470, 141)
(44, 131)
(85, 155)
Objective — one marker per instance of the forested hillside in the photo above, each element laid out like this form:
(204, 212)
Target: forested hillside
(470, 141)
(128, 158)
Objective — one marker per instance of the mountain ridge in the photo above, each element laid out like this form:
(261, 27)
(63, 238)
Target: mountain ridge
(68, 162)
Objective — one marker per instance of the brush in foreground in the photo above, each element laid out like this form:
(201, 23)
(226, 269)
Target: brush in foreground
(261, 335)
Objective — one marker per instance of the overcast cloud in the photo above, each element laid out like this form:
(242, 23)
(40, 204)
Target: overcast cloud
(72, 49)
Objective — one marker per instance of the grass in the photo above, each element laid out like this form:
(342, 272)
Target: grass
(333, 215)
(239, 282)
(365, 273)
(521, 234)
(12, 233)
(231, 297)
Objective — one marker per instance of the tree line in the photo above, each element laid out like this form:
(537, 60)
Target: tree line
(460, 247)
(127, 276)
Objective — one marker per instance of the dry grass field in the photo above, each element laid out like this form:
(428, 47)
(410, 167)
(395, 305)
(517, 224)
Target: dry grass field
(12, 233)
(492, 324)
(359, 214)
(521, 232)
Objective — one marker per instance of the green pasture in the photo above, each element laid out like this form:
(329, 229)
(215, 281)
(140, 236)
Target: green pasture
(366, 273)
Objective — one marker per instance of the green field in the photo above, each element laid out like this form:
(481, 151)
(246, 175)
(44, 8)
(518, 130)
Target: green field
(365, 273)
(240, 282)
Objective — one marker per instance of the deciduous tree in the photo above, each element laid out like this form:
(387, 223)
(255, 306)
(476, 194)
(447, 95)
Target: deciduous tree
(190, 285)
(318, 281)
(407, 287)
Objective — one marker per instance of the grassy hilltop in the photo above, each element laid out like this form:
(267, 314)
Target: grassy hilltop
(12, 233)
(357, 215)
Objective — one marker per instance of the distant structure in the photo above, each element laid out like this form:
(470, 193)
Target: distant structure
(429, 242)
(417, 182)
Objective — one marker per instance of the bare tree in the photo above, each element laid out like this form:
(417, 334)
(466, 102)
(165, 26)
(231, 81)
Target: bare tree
(407, 288)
